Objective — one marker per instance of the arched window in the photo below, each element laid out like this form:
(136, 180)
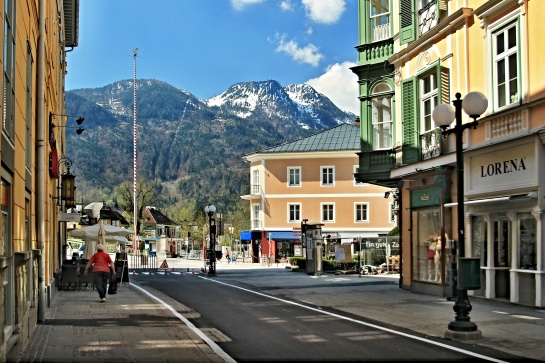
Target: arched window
(381, 116)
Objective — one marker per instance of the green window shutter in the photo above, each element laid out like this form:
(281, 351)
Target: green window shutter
(407, 21)
(410, 148)
(443, 75)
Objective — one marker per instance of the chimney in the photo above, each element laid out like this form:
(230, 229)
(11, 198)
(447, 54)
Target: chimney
(357, 121)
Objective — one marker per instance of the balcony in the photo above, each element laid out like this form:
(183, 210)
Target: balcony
(251, 225)
(375, 166)
(431, 144)
(251, 192)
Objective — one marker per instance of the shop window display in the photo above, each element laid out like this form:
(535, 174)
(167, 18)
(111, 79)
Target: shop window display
(478, 238)
(427, 245)
(528, 242)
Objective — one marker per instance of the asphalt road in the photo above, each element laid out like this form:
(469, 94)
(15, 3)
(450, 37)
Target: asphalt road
(253, 326)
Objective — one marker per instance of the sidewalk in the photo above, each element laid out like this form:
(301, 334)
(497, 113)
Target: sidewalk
(128, 327)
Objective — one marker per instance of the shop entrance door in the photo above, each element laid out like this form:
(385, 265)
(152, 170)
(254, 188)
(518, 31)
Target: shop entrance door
(502, 260)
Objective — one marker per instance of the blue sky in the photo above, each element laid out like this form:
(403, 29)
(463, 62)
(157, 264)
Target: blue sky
(205, 46)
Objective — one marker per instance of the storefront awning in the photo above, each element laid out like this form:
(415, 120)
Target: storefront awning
(283, 235)
(531, 195)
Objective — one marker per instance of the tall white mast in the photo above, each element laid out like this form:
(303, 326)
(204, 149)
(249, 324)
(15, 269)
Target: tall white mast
(135, 210)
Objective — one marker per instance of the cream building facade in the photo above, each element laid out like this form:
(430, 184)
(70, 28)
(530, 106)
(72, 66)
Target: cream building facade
(417, 54)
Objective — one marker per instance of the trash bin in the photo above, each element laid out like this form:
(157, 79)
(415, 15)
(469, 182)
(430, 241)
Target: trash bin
(469, 273)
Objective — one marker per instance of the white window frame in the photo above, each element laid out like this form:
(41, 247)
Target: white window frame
(256, 216)
(299, 212)
(381, 91)
(356, 206)
(299, 170)
(332, 175)
(381, 31)
(503, 29)
(322, 206)
(256, 187)
(432, 96)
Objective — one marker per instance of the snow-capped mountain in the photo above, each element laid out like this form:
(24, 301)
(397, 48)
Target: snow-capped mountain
(300, 104)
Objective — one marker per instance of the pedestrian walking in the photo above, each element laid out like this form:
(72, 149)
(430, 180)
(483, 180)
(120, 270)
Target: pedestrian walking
(102, 265)
(227, 256)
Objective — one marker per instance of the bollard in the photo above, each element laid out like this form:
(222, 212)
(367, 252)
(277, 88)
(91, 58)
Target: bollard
(188, 269)
(193, 272)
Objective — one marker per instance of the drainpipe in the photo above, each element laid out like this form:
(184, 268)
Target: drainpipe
(40, 162)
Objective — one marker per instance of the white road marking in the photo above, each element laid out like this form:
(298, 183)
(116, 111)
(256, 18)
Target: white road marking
(463, 351)
(190, 325)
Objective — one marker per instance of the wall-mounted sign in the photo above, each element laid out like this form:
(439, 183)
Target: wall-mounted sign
(507, 168)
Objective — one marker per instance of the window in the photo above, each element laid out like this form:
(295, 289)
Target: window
(294, 176)
(328, 175)
(428, 101)
(479, 238)
(8, 103)
(256, 223)
(528, 241)
(421, 138)
(328, 212)
(427, 256)
(380, 20)
(294, 212)
(361, 212)
(506, 66)
(411, 26)
(255, 181)
(381, 116)
(427, 15)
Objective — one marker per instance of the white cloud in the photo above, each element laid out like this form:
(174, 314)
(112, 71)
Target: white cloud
(340, 85)
(310, 30)
(324, 11)
(286, 5)
(241, 4)
(309, 54)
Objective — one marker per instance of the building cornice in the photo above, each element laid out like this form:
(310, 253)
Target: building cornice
(303, 155)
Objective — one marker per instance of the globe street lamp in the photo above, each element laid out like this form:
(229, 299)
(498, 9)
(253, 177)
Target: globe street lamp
(210, 210)
(473, 104)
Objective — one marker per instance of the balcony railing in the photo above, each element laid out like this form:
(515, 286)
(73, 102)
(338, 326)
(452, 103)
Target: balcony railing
(431, 144)
(252, 189)
(252, 224)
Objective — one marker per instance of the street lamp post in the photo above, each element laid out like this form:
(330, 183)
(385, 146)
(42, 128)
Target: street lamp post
(210, 210)
(473, 104)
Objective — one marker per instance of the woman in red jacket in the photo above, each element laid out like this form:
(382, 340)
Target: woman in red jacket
(102, 264)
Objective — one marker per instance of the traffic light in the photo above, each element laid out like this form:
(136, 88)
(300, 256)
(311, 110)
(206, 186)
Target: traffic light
(220, 225)
(188, 234)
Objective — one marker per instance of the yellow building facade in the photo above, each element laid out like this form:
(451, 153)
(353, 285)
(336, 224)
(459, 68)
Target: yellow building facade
(37, 34)
(417, 54)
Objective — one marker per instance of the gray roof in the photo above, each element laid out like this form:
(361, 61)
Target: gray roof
(343, 137)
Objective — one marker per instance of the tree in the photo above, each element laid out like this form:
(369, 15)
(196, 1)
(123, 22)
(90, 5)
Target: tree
(147, 194)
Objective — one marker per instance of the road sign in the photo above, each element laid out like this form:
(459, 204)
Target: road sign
(164, 266)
